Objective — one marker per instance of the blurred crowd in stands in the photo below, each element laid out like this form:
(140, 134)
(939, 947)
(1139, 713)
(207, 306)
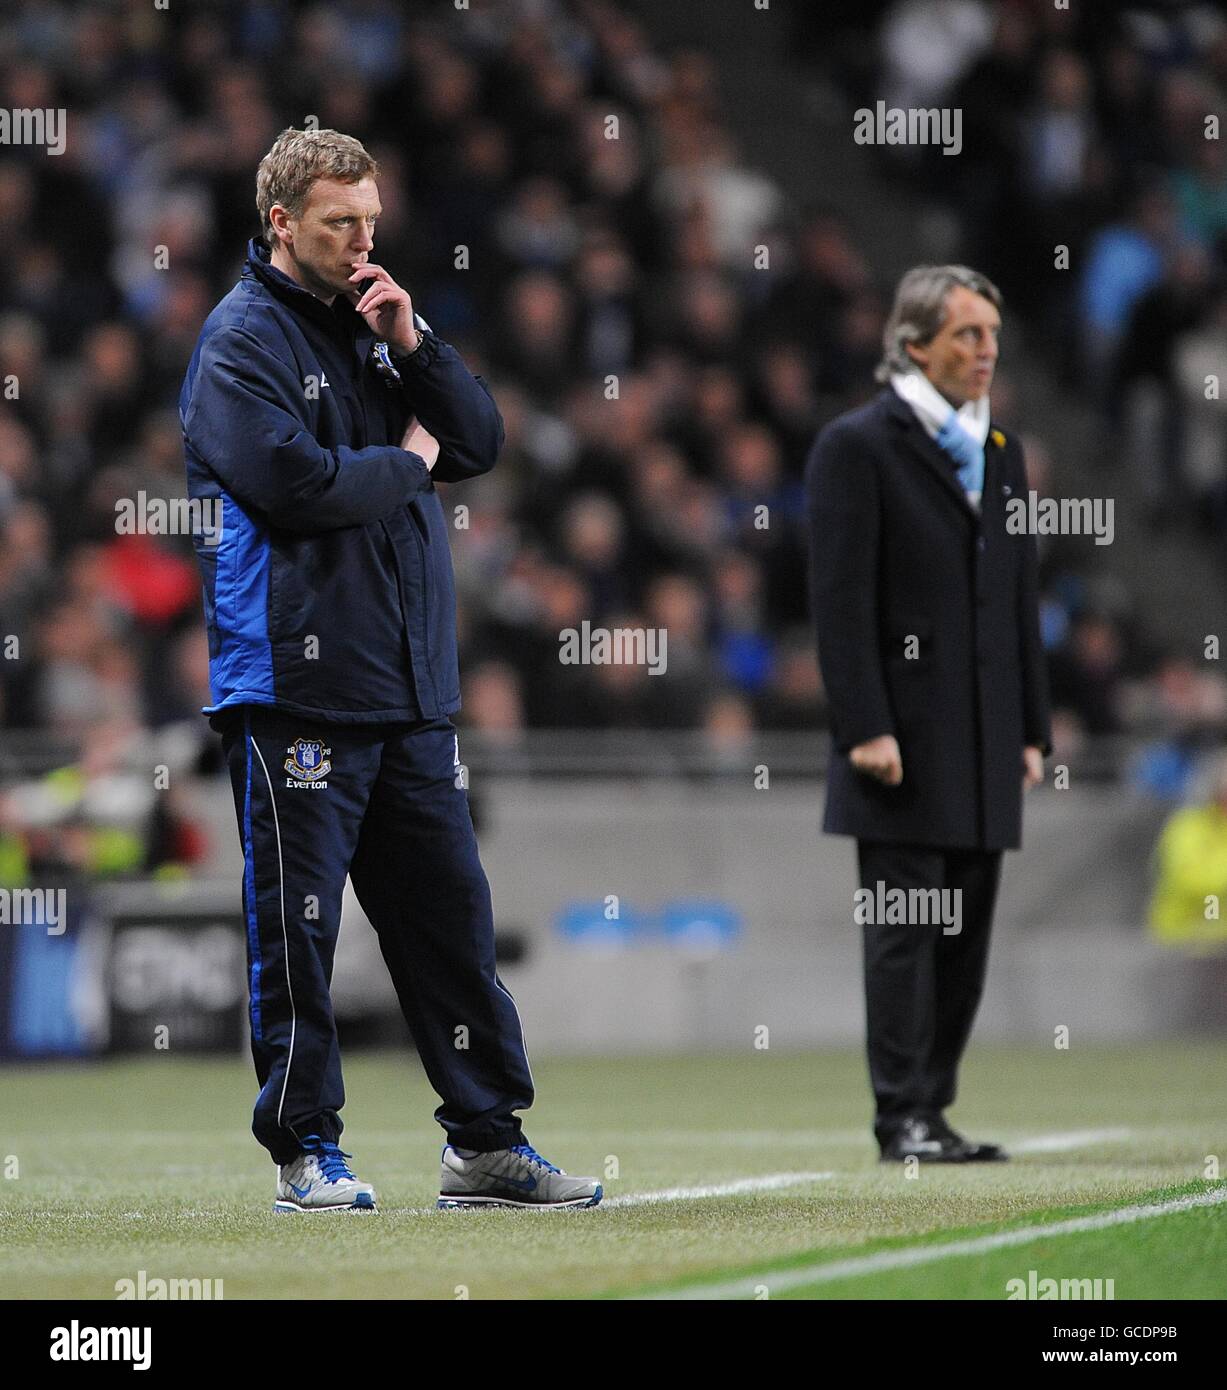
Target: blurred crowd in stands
(1093, 133)
(1101, 136)
(559, 261)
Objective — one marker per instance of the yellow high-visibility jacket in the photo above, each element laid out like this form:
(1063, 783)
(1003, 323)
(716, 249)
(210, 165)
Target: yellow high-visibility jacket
(1189, 905)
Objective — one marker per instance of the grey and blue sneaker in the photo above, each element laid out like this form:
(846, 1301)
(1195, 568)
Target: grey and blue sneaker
(517, 1177)
(320, 1180)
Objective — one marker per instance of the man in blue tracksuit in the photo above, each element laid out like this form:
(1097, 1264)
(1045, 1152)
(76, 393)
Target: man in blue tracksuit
(318, 412)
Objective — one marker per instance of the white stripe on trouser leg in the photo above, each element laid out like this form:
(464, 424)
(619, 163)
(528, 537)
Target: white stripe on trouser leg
(523, 1039)
(285, 944)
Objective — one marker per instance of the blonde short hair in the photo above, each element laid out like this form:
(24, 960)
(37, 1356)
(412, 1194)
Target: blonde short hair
(296, 160)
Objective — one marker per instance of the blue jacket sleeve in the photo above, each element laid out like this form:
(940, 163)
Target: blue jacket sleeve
(247, 421)
(455, 406)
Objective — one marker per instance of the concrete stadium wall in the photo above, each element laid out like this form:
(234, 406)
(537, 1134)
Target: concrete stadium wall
(1069, 947)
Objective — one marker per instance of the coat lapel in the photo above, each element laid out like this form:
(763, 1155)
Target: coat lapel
(918, 440)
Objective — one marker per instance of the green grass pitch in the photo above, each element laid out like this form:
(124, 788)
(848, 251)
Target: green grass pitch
(113, 1168)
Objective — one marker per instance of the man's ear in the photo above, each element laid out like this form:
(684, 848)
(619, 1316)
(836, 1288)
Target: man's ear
(918, 354)
(280, 220)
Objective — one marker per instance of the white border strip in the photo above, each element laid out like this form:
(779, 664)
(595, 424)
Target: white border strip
(780, 1281)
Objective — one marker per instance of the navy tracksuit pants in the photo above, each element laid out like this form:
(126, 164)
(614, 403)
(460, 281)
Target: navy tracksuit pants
(383, 804)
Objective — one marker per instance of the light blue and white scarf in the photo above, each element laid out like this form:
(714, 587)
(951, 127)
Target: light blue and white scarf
(961, 433)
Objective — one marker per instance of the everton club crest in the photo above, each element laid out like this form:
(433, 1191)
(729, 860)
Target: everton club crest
(381, 359)
(307, 764)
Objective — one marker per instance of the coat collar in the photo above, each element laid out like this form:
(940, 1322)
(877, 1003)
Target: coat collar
(338, 318)
(918, 439)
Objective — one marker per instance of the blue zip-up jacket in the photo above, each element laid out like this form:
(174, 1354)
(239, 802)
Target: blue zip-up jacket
(330, 591)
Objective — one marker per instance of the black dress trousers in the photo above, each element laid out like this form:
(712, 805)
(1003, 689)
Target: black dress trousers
(923, 984)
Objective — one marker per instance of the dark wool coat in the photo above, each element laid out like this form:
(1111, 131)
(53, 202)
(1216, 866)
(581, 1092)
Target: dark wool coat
(928, 628)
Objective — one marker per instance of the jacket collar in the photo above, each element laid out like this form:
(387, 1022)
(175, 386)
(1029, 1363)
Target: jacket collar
(918, 439)
(339, 317)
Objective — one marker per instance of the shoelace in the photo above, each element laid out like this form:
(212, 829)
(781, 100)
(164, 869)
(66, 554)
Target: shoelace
(330, 1158)
(527, 1151)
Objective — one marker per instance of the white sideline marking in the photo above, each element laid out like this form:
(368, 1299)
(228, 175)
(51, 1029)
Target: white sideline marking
(829, 1271)
(1063, 1143)
(770, 1182)
(863, 1138)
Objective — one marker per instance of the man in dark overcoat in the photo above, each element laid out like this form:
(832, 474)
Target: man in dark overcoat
(924, 593)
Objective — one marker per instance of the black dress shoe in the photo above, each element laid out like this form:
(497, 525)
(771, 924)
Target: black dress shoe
(972, 1151)
(929, 1139)
(917, 1137)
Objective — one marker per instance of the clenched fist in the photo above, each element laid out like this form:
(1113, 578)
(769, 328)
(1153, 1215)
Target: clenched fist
(879, 757)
